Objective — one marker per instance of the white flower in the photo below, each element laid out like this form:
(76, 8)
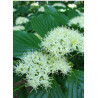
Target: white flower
(35, 4)
(37, 67)
(62, 10)
(30, 14)
(59, 5)
(72, 5)
(41, 9)
(79, 20)
(21, 20)
(14, 10)
(61, 41)
(18, 28)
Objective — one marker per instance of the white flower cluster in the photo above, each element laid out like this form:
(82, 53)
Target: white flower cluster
(30, 14)
(72, 5)
(21, 20)
(16, 28)
(79, 20)
(62, 10)
(59, 5)
(38, 66)
(62, 40)
(34, 4)
(41, 9)
(14, 10)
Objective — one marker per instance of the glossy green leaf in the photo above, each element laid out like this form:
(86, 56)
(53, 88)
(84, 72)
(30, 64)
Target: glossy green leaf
(61, 18)
(75, 85)
(16, 78)
(17, 88)
(23, 93)
(71, 13)
(23, 42)
(43, 23)
(28, 26)
(14, 62)
(54, 92)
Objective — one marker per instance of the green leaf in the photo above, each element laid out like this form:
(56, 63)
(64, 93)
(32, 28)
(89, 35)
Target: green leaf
(23, 42)
(38, 94)
(28, 26)
(14, 62)
(54, 92)
(75, 85)
(17, 88)
(71, 13)
(61, 18)
(16, 78)
(23, 93)
(43, 23)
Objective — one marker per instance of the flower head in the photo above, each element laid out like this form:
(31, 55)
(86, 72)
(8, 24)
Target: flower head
(37, 67)
(34, 4)
(72, 5)
(14, 10)
(61, 41)
(30, 14)
(21, 20)
(79, 20)
(41, 9)
(15, 28)
(59, 5)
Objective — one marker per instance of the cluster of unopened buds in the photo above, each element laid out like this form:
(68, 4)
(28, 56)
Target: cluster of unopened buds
(40, 65)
